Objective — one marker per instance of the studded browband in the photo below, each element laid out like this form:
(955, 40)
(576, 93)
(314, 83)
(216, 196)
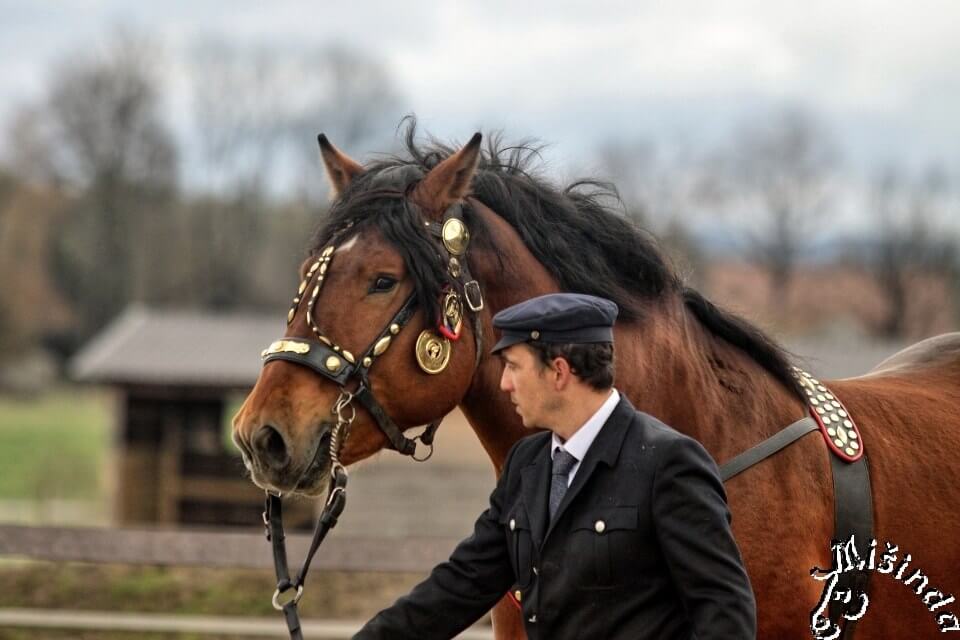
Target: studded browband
(339, 365)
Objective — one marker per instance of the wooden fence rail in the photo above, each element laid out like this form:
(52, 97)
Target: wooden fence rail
(217, 549)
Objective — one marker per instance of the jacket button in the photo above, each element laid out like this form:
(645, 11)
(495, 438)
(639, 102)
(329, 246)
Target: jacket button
(600, 526)
(518, 595)
(513, 524)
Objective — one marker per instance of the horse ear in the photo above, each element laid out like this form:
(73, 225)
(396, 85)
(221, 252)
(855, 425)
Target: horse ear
(341, 169)
(451, 180)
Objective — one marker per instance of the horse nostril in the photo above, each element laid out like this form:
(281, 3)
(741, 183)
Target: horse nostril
(270, 447)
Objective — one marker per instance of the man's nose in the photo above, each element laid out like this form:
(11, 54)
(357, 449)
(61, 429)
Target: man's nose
(504, 382)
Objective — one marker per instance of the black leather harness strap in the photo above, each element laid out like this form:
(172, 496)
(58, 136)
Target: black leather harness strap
(852, 505)
(757, 453)
(273, 519)
(853, 516)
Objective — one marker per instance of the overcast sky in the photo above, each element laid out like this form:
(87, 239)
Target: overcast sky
(884, 75)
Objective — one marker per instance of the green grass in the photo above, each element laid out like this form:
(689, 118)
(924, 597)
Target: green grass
(54, 446)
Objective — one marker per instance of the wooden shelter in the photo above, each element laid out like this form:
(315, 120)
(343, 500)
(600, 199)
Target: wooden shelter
(174, 373)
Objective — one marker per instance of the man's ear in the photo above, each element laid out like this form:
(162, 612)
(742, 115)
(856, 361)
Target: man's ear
(563, 375)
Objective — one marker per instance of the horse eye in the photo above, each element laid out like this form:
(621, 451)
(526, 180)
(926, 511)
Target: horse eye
(383, 283)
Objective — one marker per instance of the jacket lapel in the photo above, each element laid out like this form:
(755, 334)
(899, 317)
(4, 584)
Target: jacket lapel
(605, 448)
(535, 491)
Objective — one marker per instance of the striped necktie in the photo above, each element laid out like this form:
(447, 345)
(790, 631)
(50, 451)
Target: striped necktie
(563, 462)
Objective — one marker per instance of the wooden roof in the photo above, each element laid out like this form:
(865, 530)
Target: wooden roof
(178, 348)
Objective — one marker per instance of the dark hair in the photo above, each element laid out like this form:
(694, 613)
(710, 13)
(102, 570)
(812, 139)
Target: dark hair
(593, 363)
(579, 233)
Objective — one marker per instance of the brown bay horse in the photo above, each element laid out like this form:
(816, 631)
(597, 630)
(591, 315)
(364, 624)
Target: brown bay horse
(703, 371)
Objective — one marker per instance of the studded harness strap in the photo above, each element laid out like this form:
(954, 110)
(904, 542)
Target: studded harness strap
(340, 366)
(852, 503)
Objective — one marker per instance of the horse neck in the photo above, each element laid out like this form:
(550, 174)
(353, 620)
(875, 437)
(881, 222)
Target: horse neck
(508, 273)
(669, 364)
(675, 369)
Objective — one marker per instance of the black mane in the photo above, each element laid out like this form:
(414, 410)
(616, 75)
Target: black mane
(579, 233)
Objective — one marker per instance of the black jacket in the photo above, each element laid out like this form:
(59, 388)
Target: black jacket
(640, 547)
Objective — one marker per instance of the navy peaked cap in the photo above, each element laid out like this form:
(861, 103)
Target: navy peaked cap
(565, 318)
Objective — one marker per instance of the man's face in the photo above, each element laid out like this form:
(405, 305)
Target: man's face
(529, 384)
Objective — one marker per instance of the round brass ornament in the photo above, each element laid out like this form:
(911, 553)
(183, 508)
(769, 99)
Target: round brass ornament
(433, 352)
(455, 236)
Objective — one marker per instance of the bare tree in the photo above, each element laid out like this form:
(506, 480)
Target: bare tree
(913, 238)
(777, 175)
(257, 113)
(106, 138)
(656, 184)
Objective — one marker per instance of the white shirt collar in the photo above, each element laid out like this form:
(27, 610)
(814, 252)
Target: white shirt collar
(580, 441)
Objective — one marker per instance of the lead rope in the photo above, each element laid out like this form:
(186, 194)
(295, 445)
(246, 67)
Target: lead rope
(336, 500)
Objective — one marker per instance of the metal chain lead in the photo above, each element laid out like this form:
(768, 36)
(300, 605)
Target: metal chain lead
(338, 437)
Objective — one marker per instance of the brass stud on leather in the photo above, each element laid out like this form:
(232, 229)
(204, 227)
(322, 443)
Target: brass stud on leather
(847, 423)
(832, 431)
(367, 361)
(332, 363)
(455, 236)
(394, 329)
(838, 442)
(327, 251)
(849, 451)
(290, 315)
(842, 413)
(381, 345)
(854, 445)
(825, 419)
(348, 357)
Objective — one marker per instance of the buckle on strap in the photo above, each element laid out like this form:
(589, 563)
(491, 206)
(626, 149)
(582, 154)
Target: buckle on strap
(471, 291)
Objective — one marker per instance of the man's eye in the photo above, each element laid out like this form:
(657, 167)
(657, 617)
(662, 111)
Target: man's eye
(383, 283)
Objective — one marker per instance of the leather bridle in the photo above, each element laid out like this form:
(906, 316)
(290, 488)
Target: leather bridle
(341, 367)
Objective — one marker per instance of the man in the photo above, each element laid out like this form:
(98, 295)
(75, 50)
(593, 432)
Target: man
(608, 525)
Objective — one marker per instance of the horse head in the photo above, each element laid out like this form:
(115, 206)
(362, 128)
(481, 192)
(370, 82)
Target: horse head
(382, 326)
